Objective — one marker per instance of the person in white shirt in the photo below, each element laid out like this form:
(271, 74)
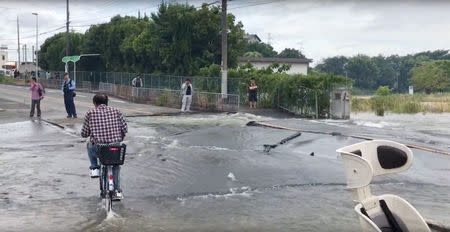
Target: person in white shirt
(187, 90)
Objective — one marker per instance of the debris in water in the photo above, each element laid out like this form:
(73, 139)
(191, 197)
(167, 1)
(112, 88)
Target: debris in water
(164, 159)
(268, 147)
(231, 176)
(252, 123)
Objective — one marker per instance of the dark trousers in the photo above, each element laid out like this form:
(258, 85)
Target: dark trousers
(35, 104)
(70, 106)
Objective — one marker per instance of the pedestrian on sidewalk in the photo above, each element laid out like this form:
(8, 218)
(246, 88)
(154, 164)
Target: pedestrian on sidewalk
(187, 90)
(68, 87)
(37, 94)
(252, 93)
(137, 82)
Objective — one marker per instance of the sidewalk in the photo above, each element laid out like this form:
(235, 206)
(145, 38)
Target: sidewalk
(53, 109)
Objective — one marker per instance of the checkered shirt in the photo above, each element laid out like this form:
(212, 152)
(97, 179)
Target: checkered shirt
(104, 125)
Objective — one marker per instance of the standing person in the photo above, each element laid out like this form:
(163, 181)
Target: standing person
(187, 90)
(104, 125)
(68, 88)
(137, 82)
(37, 93)
(252, 93)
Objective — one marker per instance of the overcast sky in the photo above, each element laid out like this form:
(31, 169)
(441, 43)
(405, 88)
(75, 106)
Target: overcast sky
(320, 28)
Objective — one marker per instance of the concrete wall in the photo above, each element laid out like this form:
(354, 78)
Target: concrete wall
(340, 104)
(295, 68)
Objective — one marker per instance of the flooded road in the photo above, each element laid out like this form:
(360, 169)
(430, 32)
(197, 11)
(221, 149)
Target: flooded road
(208, 172)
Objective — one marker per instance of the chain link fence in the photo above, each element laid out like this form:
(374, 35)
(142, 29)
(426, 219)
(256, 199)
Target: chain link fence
(172, 98)
(165, 90)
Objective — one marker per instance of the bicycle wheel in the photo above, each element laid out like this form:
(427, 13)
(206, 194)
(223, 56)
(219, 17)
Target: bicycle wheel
(108, 202)
(103, 182)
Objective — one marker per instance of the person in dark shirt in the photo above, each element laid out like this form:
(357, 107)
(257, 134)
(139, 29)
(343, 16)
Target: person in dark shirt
(252, 94)
(68, 87)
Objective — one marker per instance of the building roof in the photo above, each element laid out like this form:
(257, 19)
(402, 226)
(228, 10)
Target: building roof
(275, 60)
(252, 36)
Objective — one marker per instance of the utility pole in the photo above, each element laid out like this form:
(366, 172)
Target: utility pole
(25, 52)
(32, 53)
(224, 49)
(269, 38)
(18, 45)
(67, 34)
(37, 47)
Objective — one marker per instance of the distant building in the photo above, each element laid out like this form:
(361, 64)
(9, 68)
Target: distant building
(252, 38)
(298, 66)
(28, 68)
(3, 55)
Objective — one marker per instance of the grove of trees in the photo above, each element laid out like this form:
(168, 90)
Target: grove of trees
(397, 72)
(178, 39)
(431, 77)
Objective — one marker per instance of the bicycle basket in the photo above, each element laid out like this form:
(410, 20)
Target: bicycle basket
(112, 155)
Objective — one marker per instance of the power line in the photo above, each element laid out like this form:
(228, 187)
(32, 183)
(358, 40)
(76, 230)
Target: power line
(102, 8)
(256, 4)
(42, 33)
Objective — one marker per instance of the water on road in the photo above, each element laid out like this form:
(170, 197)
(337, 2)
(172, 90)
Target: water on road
(208, 172)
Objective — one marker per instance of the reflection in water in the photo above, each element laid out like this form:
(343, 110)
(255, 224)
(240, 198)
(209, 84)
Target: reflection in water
(206, 173)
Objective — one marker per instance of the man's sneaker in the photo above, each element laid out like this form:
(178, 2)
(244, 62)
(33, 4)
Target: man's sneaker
(117, 196)
(95, 173)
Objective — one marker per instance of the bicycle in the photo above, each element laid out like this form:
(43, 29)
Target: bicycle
(109, 156)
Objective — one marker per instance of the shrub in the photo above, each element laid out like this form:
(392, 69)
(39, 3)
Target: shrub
(164, 98)
(378, 105)
(383, 91)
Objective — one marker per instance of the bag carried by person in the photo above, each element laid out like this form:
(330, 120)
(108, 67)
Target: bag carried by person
(41, 91)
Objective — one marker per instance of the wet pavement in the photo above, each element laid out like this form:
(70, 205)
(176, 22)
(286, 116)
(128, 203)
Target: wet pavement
(205, 172)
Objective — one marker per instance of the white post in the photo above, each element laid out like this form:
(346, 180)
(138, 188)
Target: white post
(224, 86)
(75, 72)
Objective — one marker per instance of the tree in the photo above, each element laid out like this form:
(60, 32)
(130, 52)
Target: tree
(334, 65)
(431, 77)
(386, 72)
(252, 54)
(54, 49)
(383, 91)
(264, 49)
(364, 71)
(177, 39)
(291, 53)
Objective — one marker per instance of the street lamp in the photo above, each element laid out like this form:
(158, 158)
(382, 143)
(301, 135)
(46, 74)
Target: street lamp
(37, 47)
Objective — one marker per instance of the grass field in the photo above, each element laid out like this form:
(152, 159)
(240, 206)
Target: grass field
(403, 103)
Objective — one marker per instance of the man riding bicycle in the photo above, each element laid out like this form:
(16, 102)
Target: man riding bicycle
(104, 125)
